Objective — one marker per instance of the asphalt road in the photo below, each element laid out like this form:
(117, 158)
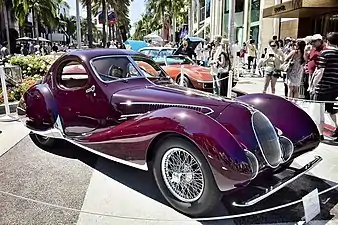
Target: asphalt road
(74, 178)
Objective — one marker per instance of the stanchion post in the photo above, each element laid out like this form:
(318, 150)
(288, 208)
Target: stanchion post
(229, 94)
(182, 76)
(7, 117)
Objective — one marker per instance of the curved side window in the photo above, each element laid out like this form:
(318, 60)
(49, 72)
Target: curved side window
(72, 75)
(114, 68)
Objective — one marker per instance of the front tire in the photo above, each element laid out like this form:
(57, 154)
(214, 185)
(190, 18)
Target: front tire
(186, 82)
(184, 177)
(42, 141)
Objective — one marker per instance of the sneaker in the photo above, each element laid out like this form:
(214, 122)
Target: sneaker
(335, 133)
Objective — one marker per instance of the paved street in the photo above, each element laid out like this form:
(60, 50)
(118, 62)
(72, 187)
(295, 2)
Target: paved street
(71, 177)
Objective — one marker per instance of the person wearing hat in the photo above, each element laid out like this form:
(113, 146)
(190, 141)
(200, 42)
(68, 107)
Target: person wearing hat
(324, 82)
(312, 56)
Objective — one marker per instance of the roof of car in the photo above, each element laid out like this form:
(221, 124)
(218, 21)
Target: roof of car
(96, 52)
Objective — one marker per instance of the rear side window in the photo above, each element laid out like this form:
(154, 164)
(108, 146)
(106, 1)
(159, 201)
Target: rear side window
(72, 75)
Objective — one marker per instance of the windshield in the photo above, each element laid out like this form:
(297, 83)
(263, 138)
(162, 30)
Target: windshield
(148, 67)
(165, 52)
(120, 67)
(178, 60)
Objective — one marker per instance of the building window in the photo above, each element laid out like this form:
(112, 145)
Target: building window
(239, 6)
(255, 10)
(207, 7)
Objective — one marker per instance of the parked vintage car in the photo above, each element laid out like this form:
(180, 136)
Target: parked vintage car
(197, 145)
(194, 75)
(158, 54)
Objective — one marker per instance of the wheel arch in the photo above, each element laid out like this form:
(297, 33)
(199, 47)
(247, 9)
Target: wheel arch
(151, 151)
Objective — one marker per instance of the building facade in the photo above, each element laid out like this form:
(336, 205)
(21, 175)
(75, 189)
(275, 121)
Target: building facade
(261, 19)
(300, 18)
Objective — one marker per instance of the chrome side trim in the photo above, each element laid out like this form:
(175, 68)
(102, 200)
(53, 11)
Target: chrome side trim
(166, 104)
(283, 183)
(143, 166)
(56, 133)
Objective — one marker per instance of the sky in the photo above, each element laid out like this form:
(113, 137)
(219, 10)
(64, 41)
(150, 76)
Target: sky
(137, 7)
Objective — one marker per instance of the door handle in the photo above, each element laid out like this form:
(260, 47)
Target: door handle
(91, 89)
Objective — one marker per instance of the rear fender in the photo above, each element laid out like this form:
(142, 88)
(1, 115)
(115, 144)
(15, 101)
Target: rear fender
(291, 120)
(224, 154)
(37, 108)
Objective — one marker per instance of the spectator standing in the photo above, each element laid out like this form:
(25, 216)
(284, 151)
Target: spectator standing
(187, 50)
(313, 55)
(224, 66)
(252, 54)
(324, 82)
(4, 52)
(296, 69)
(272, 62)
(214, 64)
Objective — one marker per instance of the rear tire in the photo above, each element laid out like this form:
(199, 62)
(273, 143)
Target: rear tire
(184, 177)
(42, 141)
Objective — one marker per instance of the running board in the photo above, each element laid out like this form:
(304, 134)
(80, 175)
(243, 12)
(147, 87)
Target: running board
(284, 182)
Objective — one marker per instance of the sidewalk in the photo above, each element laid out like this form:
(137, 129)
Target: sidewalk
(12, 133)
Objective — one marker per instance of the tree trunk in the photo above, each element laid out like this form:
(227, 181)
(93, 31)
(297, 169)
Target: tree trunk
(163, 28)
(36, 25)
(104, 22)
(174, 24)
(109, 31)
(89, 23)
(6, 25)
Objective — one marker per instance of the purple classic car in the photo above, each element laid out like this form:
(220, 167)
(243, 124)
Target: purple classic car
(122, 106)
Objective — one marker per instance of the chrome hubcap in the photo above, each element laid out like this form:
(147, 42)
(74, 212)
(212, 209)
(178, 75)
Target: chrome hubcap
(182, 175)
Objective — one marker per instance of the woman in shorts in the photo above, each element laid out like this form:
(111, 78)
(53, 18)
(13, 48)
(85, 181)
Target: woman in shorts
(272, 62)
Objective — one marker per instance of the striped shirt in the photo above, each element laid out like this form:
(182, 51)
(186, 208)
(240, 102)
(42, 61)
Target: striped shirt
(328, 60)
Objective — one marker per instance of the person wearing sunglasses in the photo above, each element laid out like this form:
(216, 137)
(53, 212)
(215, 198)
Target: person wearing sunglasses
(272, 62)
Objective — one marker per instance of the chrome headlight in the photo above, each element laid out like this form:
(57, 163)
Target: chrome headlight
(253, 162)
(286, 147)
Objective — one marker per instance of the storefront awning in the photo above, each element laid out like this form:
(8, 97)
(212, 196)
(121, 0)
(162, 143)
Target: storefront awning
(301, 9)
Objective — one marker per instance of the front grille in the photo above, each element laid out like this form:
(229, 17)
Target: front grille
(267, 139)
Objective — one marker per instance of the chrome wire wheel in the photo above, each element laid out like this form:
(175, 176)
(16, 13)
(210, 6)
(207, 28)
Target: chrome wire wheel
(182, 174)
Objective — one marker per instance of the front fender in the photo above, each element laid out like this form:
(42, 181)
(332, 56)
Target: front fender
(294, 122)
(224, 154)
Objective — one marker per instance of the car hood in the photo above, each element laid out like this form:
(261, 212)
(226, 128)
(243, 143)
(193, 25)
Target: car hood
(161, 96)
(200, 72)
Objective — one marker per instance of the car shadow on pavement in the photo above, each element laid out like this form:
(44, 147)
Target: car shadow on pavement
(143, 182)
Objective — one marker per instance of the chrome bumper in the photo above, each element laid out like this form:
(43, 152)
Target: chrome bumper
(284, 182)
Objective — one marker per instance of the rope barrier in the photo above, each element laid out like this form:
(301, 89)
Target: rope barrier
(164, 220)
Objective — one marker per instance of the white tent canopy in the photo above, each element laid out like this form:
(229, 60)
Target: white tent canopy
(42, 39)
(153, 37)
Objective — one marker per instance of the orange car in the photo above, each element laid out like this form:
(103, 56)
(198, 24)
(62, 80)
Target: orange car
(195, 76)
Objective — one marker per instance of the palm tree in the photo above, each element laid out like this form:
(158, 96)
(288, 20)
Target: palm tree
(42, 10)
(121, 9)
